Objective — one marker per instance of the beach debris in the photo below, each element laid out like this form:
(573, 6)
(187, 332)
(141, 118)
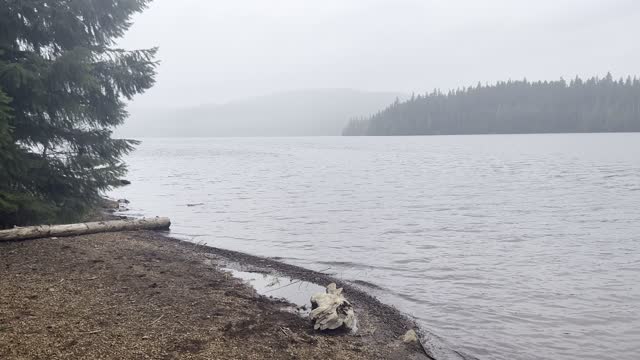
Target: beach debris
(331, 311)
(410, 337)
(122, 204)
(156, 320)
(297, 338)
(50, 231)
(109, 205)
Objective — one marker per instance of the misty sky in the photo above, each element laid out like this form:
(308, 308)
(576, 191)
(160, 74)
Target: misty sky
(215, 51)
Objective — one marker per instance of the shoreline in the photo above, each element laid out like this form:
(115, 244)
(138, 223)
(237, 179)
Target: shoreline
(394, 322)
(52, 284)
(370, 310)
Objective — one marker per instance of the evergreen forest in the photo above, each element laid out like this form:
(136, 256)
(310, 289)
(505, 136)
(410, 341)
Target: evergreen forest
(513, 107)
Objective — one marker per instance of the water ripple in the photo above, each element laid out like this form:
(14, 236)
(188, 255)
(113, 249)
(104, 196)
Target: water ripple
(513, 247)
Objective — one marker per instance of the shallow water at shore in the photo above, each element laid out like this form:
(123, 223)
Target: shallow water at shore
(281, 287)
(509, 247)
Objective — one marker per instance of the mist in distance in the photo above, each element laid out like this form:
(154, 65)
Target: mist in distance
(213, 52)
(321, 112)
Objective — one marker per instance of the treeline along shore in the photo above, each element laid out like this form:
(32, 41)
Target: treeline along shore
(513, 107)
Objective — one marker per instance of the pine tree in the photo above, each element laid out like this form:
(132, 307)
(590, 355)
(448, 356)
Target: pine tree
(62, 90)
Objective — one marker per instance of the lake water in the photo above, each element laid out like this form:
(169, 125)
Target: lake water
(506, 246)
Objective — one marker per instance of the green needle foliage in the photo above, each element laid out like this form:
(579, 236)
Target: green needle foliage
(62, 90)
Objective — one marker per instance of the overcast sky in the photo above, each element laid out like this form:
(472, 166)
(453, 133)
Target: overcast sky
(214, 51)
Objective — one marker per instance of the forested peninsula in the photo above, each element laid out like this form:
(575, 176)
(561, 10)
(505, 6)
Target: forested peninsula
(513, 107)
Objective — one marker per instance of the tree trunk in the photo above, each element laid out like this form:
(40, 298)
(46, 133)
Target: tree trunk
(34, 232)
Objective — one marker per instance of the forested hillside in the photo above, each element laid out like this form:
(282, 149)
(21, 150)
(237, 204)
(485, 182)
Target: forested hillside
(593, 105)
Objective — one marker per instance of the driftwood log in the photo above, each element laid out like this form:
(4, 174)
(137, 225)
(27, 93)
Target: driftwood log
(331, 311)
(42, 231)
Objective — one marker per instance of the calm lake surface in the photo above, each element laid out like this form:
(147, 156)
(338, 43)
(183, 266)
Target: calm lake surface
(505, 246)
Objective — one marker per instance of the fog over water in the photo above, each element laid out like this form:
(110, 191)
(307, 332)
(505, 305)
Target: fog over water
(218, 51)
(486, 183)
(506, 247)
(510, 247)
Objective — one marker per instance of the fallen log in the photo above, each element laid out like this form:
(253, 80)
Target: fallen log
(42, 231)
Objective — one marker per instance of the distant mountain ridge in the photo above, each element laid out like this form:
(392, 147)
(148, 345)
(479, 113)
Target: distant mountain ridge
(317, 112)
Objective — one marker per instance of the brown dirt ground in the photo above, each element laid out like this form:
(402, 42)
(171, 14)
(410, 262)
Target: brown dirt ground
(139, 295)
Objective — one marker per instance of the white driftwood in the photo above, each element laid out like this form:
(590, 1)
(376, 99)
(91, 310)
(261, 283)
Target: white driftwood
(35, 232)
(410, 337)
(332, 311)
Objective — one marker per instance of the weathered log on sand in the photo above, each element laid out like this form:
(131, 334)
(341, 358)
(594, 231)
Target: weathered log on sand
(332, 311)
(42, 231)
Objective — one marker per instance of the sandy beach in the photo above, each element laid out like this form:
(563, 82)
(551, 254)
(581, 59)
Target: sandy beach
(142, 295)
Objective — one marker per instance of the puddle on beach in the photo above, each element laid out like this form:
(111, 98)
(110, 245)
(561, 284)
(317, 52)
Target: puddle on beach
(294, 291)
(299, 293)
